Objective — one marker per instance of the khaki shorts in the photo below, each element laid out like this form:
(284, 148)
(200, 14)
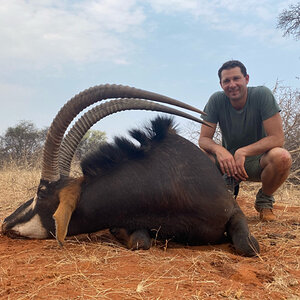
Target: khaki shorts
(252, 167)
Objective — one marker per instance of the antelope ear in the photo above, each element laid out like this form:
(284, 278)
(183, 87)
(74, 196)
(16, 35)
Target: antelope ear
(68, 198)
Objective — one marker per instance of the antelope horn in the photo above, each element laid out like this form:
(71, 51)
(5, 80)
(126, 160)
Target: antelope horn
(74, 136)
(50, 168)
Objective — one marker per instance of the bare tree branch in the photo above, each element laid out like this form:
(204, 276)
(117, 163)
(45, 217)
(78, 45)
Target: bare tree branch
(289, 21)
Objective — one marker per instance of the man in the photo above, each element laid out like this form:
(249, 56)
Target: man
(252, 135)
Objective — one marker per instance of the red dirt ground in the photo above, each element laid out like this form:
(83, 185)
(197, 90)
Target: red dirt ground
(97, 267)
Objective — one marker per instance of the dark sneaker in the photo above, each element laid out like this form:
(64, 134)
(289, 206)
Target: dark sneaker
(267, 215)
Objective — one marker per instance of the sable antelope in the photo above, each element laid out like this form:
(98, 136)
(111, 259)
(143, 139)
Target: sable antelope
(166, 187)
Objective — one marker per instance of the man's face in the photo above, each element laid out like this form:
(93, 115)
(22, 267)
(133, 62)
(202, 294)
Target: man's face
(234, 84)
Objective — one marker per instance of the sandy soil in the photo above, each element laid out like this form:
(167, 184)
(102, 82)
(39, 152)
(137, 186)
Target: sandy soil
(97, 267)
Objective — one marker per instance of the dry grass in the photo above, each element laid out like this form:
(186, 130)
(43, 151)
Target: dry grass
(16, 186)
(97, 267)
(288, 193)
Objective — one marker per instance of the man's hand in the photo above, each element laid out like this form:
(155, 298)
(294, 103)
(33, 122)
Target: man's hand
(239, 158)
(227, 162)
(232, 166)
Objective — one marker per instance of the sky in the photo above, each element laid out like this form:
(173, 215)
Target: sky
(53, 49)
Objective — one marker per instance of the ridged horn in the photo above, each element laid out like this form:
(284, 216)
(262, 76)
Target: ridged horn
(76, 133)
(50, 168)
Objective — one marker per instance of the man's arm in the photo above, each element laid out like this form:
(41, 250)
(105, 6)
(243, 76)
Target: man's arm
(206, 138)
(224, 157)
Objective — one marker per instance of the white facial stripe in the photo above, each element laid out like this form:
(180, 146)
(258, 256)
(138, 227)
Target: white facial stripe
(31, 229)
(33, 202)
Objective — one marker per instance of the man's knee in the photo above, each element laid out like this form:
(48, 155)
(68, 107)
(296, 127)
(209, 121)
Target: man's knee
(279, 158)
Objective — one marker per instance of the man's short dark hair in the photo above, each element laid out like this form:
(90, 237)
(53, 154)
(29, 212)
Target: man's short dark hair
(232, 64)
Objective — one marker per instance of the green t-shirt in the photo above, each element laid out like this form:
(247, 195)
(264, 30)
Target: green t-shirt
(241, 127)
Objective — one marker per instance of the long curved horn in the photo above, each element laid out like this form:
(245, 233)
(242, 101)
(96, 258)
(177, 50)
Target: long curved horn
(50, 168)
(76, 133)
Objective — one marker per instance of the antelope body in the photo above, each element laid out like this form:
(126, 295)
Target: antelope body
(165, 188)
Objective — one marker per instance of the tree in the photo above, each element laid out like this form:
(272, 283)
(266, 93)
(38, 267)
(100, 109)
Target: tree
(22, 143)
(289, 21)
(289, 102)
(91, 141)
(192, 132)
